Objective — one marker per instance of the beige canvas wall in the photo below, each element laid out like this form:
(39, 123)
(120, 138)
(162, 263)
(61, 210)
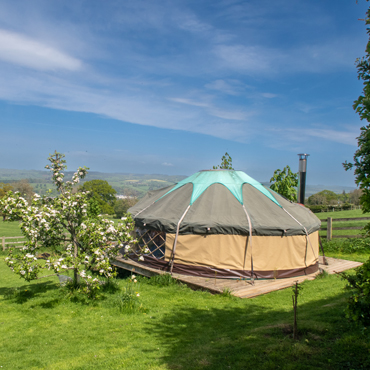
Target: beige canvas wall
(232, 251)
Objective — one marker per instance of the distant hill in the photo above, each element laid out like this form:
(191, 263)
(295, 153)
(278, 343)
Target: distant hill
(10, 175)
(127, 183)
(313, 189)
(123, 183)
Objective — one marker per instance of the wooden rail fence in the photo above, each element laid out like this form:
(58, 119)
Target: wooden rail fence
(14, 242)
(329, 228)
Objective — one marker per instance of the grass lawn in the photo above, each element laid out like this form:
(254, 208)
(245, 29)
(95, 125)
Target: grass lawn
(177, 328)
(343, 214)
(10, 228)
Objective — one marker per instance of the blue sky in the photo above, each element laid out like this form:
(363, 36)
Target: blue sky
(169, 86)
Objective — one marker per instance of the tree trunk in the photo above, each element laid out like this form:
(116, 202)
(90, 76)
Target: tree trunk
(75, 271)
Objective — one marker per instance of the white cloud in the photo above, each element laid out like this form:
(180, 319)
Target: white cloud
(315, 58)
(167, 164)
(244, 58)
(18, 49)
(189, 102)
(228, 114)
(342, 137)
(296, 135)
(230, 87)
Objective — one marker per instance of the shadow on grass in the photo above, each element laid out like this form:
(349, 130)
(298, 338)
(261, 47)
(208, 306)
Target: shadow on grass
(24, 293)
(255, 337)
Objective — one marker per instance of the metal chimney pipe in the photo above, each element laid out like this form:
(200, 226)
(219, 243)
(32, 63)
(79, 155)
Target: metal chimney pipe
(302, 177)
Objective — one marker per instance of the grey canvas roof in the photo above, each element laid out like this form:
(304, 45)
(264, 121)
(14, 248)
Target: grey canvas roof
(217, 207)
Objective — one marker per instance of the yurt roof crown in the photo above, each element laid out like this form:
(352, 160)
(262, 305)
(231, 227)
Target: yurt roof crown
(231, 179)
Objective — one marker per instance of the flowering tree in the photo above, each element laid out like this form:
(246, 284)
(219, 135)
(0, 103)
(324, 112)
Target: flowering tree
(53, 222)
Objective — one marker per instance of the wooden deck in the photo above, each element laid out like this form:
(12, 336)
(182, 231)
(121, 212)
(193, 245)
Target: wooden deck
(239, 288)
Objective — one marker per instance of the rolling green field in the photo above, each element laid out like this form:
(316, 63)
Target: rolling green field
(10, 228)
(343, 214)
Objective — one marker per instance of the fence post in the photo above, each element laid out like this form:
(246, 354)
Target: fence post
(3, 243)
(329, 225)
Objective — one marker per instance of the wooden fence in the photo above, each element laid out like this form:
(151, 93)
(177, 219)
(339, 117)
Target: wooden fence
(17, 243)
(329, 227)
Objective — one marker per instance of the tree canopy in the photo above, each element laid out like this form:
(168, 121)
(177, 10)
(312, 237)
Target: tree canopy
(24, 188)
(361, 158)
(4, 188)
(284, 182)
(325, 197)
(226, 163)
(102, 193)
(122, 205)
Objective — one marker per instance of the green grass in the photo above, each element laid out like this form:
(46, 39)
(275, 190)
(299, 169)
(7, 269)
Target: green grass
(343, 214)
(177, 328)
(10, 228)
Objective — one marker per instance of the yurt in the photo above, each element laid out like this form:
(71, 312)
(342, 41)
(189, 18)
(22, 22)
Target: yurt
(223, 223)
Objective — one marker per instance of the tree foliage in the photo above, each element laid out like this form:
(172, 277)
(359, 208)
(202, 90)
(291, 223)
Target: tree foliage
(4, 188)
(359, 302)
(226, 163)
(358, 284)
(122, 205)
(325, 197)
(361, 158)
(284, 182)
(328, 197)
(102, 193)
(24, 188)
(83, 244)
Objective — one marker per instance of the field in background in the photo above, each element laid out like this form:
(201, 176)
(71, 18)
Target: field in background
(10, 228)
(124, 183)
(323, 216)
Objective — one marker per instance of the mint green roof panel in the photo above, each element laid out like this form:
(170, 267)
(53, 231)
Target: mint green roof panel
(232, 180)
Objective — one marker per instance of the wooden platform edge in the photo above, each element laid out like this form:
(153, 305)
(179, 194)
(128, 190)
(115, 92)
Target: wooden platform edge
(135, 267)
(148, 272)
(246, 291)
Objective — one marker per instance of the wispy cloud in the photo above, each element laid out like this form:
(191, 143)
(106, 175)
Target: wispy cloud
(24, 51)
(342, 137)
(229, 86)
(305, 135)
(238, 115)
(314, 58)
(189, 102)
(206, 82)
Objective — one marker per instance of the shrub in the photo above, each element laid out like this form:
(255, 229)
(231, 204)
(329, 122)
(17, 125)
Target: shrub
(358, 308)
(355, 245)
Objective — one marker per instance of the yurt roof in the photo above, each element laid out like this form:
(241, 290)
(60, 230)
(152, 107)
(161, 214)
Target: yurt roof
(220, 202)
